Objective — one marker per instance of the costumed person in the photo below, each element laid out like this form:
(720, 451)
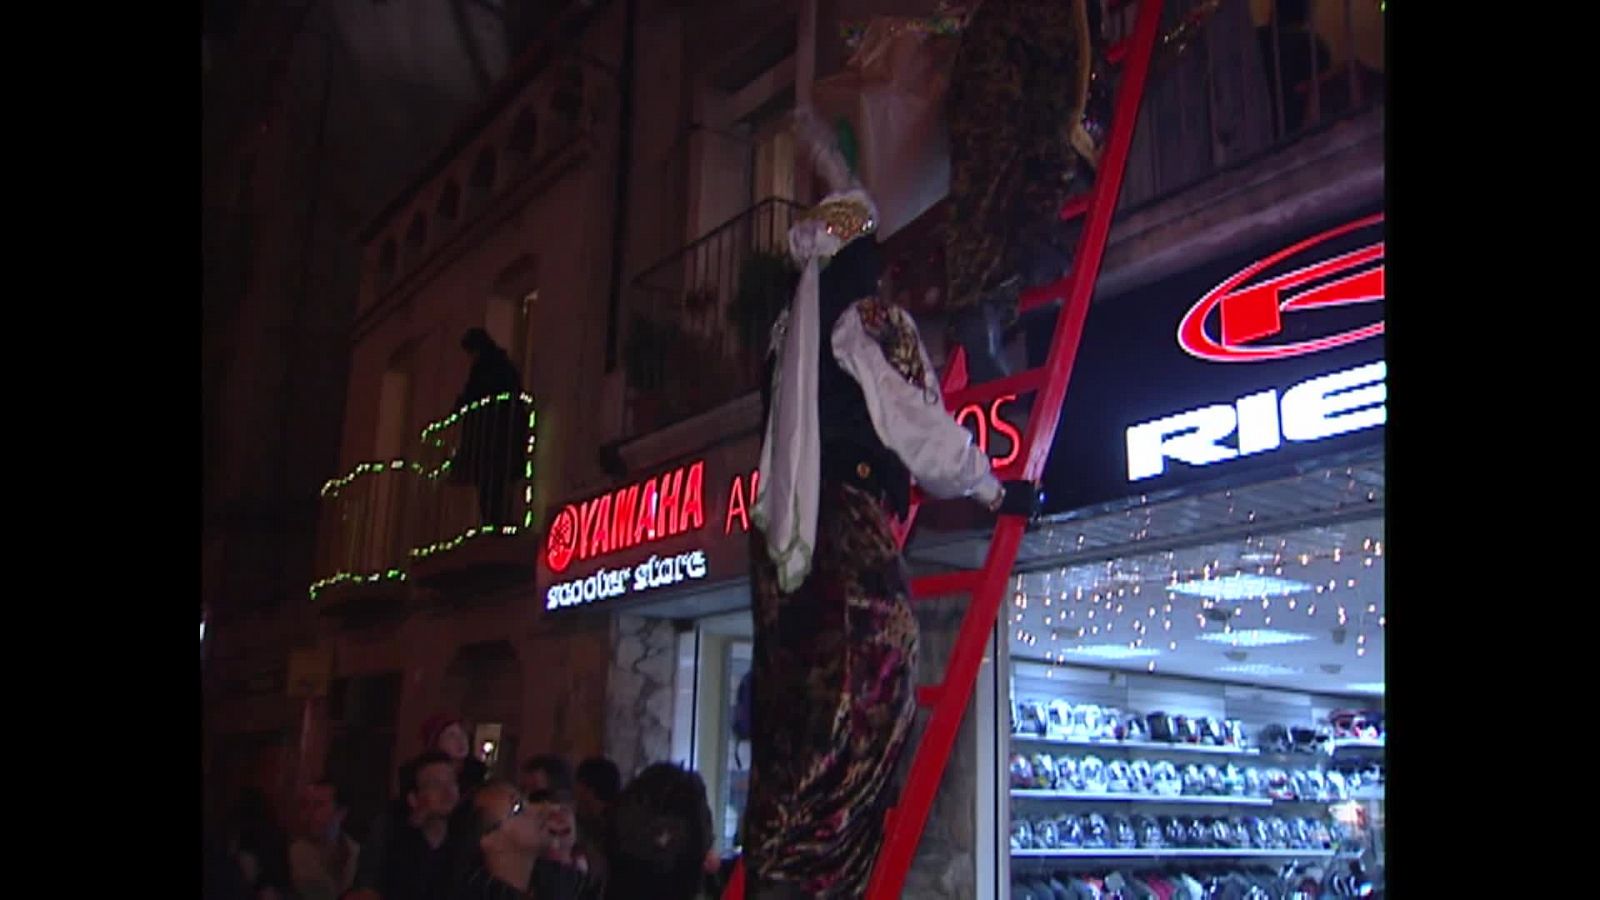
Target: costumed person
(1029, 110)
(1015, 111)
(853, 413)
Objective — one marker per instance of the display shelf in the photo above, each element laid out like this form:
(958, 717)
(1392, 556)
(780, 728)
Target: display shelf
(1203, 799)
(1152, 746)
(1167, 852)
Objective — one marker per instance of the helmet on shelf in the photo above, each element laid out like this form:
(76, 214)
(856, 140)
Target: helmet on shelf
(1044, 771)
(1193, 781)
(1119, 778)
(1164, 779)
(1096, 831)
(1021, 771)
(1069, 830)
(1139, 775)
(1123, 834)
(1092, 772)
(1233, 782)
(1058, 721)
(1213, 779)
(1067, 773)
(1021, 834)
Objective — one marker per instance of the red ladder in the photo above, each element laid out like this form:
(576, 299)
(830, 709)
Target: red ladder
(904, 823)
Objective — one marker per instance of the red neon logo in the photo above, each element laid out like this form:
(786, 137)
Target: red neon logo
(641, 513)
(1253, 312)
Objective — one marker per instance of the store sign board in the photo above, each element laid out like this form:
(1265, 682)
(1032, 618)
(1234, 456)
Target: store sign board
(1267, 358)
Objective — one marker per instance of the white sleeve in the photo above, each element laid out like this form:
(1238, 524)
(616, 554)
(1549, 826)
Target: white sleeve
(912, 420)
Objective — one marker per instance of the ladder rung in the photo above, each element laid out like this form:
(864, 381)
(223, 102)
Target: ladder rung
(1044, 294)
(928, 695)
(1021, 383)
(963, 581)
(1117, 52)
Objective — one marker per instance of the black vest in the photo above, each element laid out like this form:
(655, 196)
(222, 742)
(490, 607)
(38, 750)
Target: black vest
(852, 453)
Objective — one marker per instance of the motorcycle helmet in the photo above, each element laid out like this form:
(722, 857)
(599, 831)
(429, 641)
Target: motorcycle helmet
(1122, 833)
(1173, 833)
(1135, 728)
(1321, 836)
(1069, 831)
(1233, 783)
(1183, 730)
(1139, 775)
(1067, 773)
(1260, 834)
(1279, 786)
(1096, 831)
(1302, 739)
(1033, 718)
(1337, 787)
(1274, 738)
(1058, 724)
(1233, 733)
(1164, 779)
(1021, 771)
(1160, 727)
(1193, 781)
(1092, 772)
(1343, 722)
(1369, 725)
(1197, 832)
(1316, 787)
(1300, 781)
(1119, 778)
(1148, 831)
(1044, 771)
(1211, 732)
(1254, 784)
(1299, 834)
(1110, 724)
(1086, 721)
(1021, 834)
(1280, 832)
(1221, 833)
(1241, 832)
(1213, 779)
(1045, 835)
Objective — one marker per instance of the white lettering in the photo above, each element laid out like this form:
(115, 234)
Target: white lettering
(605, 584)
(1336, 404)
(1320, 407)
(1189, 437)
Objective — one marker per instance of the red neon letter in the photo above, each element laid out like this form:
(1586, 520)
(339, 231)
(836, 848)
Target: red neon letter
(622, 513)
(602, 525)
(736, 507)
(976, 412)
(1004, 427)
(693, 514)
(644, 527)
(668, 522)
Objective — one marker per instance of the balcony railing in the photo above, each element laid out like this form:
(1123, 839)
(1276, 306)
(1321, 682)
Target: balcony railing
(477, 464)
(364, 528)
(697, 321)
(1227, 90)
(467, 477)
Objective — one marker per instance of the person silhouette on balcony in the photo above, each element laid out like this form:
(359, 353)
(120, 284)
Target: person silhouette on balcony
(490, 452)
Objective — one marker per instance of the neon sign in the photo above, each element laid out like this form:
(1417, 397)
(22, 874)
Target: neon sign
(992, 421)
(1248, 313)
(655, 509)
(604, 584)
(1317, 408)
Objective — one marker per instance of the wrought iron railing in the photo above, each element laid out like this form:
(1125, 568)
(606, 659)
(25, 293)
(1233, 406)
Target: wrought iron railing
(696, 324)
(469, 475)
(477, 466)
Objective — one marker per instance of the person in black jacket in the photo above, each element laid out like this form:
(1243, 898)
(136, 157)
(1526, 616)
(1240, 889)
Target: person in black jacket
(490, 452)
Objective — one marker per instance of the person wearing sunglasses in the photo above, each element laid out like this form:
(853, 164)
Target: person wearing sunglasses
(518, 835)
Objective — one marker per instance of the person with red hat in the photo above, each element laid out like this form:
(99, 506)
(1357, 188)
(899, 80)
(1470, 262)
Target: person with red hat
(447, 734)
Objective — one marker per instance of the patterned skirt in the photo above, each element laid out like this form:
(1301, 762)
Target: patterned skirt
(832, 704)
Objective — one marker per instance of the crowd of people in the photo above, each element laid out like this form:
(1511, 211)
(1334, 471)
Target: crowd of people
(457, 831)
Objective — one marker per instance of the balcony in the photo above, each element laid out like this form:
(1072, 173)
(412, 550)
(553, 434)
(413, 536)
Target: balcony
(474, 507)
(365, 535)
(455, 515)
(697, 322)
(1233, 106)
